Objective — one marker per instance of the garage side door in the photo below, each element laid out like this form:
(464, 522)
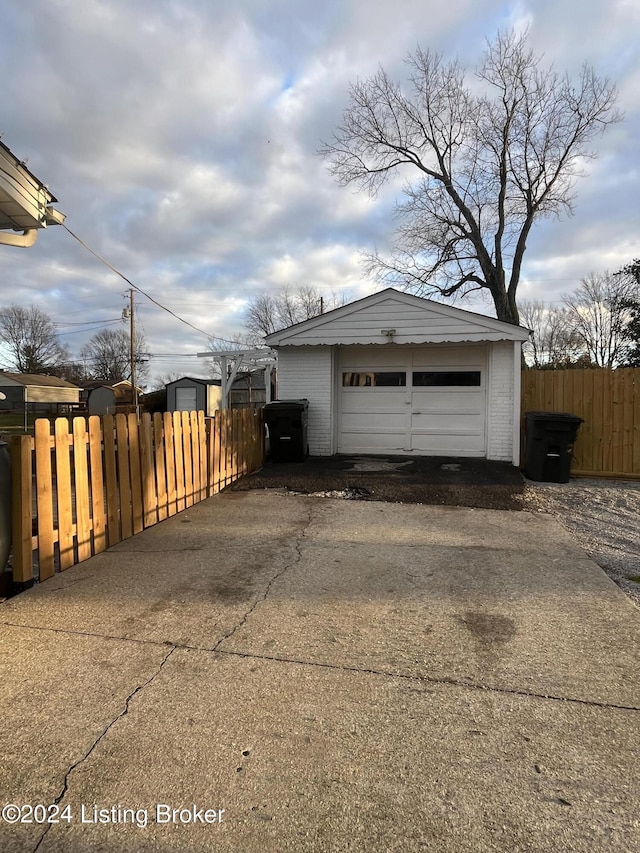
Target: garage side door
(428, 401)
(186, 399)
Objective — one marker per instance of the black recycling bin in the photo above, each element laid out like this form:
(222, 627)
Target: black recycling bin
(287, 422)
(5, 504)
(549, 439)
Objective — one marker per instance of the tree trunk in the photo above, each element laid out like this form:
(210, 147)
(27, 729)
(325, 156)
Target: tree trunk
(506, 309)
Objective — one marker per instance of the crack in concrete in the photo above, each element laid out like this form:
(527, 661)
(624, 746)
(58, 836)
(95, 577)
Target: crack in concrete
(75, 633)
(431, 679)
(114, 553)
(470, 685)
(276, 576)
(123, 713)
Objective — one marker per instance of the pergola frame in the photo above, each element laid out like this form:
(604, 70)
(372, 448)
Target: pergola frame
(230, 362)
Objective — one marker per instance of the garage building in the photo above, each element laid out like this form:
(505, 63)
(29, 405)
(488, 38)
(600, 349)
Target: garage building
(397, 374)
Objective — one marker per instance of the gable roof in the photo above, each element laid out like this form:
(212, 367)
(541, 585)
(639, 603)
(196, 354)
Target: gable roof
(200, 380)
(35, 379)
(412, 319)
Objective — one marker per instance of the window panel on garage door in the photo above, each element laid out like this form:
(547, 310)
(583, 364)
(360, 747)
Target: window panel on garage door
(375, 379)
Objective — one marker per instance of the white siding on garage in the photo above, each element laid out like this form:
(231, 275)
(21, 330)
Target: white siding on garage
(501, 402)
(307, 372)
(401, 317)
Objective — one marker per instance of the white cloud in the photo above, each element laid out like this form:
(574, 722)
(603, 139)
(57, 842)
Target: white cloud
(180, 139)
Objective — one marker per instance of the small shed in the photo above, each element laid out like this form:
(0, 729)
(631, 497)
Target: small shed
(397, 374)
(37, 393)
(109, 399)
(192, 394)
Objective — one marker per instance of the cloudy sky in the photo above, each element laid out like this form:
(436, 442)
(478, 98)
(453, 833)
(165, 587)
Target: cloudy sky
(179, 137)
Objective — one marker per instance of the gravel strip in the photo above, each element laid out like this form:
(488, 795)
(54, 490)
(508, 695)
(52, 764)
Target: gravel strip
(604, 518)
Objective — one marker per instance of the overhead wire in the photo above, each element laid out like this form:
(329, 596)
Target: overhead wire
(140, 290)
(91, 322)
(90, 329)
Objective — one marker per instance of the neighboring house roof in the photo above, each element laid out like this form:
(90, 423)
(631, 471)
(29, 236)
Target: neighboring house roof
(199, 379)
(34, 379)
(122, 392)
(25, 203)
(402, 318)
(123, 384)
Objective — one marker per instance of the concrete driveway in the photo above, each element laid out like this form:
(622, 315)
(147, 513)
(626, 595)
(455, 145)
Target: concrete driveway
(335, 676)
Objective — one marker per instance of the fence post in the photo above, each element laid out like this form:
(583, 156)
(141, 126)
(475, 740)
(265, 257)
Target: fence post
(81, 477)
(98, 522)
(160, 466)
(63, 491)
(215, 454)
(148, 473)
(203, 455)
(21, 500)
(136, 472)
(170, 462)
(124, 477)
(111, 480)
(195, 456)
(44, 498)
(187, 459)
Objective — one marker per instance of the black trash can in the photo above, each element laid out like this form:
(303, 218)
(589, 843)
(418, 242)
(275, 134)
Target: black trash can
(549, 440)
(287, 422)
(5, 504)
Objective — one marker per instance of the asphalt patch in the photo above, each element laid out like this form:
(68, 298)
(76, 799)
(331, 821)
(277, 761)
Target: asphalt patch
(433, 480)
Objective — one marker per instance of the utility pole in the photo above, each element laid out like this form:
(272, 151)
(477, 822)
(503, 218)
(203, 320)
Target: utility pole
(132, 336)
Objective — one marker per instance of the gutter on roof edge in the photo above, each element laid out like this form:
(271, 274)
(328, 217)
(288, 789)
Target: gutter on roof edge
(29, 237)
(22, 241)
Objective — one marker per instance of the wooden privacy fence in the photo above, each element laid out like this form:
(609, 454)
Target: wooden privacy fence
(608, 401)
(79, 491)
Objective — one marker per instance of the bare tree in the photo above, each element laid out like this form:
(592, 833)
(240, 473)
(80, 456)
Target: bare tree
(108, 354)
(236, 342)
(31, 339)
(553, 342)
(261, 317)
(160, 382)
(270, 312)
(599, 313)
(484, 162)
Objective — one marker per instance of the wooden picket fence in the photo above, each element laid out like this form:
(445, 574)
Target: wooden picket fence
(608, 401)
(79, 491)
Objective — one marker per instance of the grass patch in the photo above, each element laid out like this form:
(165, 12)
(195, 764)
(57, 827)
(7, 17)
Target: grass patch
(12, 423)
(634, 578)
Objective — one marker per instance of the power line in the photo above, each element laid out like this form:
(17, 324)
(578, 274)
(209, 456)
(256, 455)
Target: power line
(140, 290)
(90, 329)
(91, 322)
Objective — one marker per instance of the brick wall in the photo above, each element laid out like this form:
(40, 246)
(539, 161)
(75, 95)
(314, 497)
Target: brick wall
(308, 372)
(500, 402)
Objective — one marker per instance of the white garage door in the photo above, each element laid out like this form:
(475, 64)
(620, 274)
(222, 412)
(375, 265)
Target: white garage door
(424, 400)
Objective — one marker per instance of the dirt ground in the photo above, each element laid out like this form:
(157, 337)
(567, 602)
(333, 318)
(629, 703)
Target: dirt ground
(422, 480)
